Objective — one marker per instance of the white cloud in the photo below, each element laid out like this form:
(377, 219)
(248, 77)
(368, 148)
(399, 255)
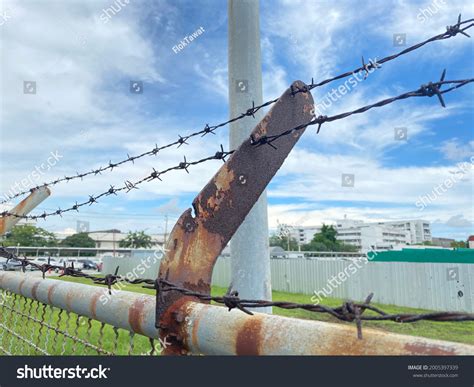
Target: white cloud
(458, 221)
(453, 149)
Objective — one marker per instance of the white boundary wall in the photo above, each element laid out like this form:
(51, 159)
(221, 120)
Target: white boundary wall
(434, 286)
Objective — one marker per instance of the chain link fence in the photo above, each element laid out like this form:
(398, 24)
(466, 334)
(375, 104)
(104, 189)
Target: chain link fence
(30, 327)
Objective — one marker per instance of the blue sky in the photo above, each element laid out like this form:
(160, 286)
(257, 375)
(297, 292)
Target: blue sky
(83, 108)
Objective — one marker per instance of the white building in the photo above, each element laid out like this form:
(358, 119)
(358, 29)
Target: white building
(110, 239)
(418, 231)
(371, 236)
(366, 236)
(304, 235)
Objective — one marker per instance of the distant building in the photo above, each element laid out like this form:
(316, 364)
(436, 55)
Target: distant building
(304, 235)
(277, 252)
(418, 231)
(110, 239)
(370, 236)
(374, 235)
(443, 242)
(470, 242)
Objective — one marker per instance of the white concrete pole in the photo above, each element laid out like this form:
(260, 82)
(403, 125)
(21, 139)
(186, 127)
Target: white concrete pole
(250, 257)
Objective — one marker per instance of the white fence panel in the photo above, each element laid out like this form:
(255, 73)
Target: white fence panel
(435, 286)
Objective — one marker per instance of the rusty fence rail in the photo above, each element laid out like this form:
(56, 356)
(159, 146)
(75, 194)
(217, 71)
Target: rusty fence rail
(46, 316)
(51, 317)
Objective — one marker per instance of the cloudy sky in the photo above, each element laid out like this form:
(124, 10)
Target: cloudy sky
(83, 59)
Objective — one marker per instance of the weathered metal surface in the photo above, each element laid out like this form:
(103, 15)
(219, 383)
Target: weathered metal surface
(212, 330)
(130, 311)
(24, 207)
(219, 209)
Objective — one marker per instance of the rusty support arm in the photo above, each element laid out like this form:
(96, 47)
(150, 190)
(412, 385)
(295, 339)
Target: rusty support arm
(36, 197)
(219, 209)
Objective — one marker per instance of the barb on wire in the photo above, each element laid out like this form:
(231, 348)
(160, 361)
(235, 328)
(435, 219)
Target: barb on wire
(427, 90)
(126, 187)
(349, 311)
(451, 31)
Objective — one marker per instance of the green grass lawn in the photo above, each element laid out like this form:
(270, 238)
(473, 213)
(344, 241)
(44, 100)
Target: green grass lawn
(462, 332)
(94, 335)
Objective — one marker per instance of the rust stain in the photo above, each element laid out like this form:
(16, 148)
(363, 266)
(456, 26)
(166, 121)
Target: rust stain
(20, 287)
(34, 289)
(249, 337)
(309, 108)
(175, 331)
(50, 293)
(69, 300)
(418, 348)
(194, 335)
(135, 315)
(93, 304)
(262, 127)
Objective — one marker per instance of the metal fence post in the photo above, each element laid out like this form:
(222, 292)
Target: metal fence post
(250, 256)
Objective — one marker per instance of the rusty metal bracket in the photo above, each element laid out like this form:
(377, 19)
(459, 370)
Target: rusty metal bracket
(196, 241)
(24, 207)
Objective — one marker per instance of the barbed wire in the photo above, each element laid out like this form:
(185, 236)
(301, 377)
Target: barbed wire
(349, 311)
(427, 90)
(126, 187)
(451, 31)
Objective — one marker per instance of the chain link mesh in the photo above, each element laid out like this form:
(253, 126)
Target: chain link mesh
(29, 327)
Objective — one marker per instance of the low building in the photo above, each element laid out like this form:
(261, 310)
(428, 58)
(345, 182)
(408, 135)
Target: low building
(110, 239)
(304, 235)
(443, 242)
(470, 242)
(371, 236)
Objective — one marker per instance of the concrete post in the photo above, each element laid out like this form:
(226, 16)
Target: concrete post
(250, 258)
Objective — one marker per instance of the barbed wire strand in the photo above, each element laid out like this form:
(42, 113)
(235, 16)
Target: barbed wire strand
(451, 31)
(427, 90)
(349, 311)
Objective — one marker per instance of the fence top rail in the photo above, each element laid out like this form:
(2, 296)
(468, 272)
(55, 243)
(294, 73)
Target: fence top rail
(201, 324)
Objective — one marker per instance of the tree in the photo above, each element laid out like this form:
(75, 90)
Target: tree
(459, 244)
(81, 239)
(137, 240)
(326, 240)
(28, 235)
(282, 241)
